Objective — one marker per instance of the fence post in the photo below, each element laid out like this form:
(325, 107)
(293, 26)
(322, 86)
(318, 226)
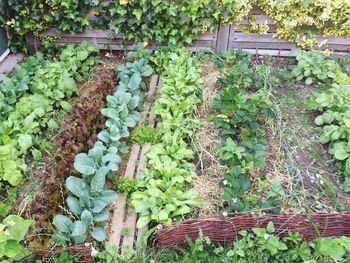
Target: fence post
(222, 40)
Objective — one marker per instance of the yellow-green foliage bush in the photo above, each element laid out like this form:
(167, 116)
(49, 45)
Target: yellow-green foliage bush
(297, 20)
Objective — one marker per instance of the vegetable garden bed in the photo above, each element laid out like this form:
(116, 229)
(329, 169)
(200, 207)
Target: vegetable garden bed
(195, 138)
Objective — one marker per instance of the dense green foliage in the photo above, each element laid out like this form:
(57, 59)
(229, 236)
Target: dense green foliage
(242, 106)
(176, 22)
(162, 195)
(262, 245)
(31, 100)
(164, 21)
(12, 231)
(88, 204)
(333, 102)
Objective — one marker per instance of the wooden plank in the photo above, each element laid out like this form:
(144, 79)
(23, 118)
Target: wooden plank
(263, 45)
(130, 226)
(143, 164)
(9, 63)
(152, 87)
(131, 166)
(117, 221)
(208, 36)
(222, 41)
(118, 224)
(4, 55)
(86, 34)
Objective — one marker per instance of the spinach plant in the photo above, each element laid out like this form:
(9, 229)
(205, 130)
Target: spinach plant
(161, 194)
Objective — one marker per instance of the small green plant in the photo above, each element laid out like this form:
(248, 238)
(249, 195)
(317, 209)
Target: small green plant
(144, 134)
(126, 185)
(314, 66)
(12, 231)
(111, 254)
(162, 194)
(333, 104)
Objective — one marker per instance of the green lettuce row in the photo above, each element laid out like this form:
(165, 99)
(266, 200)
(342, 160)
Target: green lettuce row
(89, 194)
(162, 194)
(31, 100)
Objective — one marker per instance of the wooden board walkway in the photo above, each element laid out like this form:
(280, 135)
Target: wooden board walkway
(123, 232)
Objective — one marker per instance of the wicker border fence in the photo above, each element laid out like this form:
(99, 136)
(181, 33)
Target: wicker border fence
(225, 229)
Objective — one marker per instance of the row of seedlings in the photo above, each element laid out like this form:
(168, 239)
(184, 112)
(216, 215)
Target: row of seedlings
(333, 102)
(31, 101)
(163, 193)
(90, 197)
(243, 106)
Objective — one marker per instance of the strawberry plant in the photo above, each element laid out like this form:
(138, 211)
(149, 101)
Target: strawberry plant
(242, 108)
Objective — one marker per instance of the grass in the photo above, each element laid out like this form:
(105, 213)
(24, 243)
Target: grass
(296, 158)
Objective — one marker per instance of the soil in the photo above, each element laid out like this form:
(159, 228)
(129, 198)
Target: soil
(296, 157)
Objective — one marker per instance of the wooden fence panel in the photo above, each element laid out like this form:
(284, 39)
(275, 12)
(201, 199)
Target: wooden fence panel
(225, 38)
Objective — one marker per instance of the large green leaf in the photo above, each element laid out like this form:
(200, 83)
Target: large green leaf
(340, 151)
(98, 181)
(102, 216)
(99, 234)
(86, 218)
(63, 223)
(73, 205)
(17, 226)
(25, 141)
(84, 164)
(143, 221)
(76, 185)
